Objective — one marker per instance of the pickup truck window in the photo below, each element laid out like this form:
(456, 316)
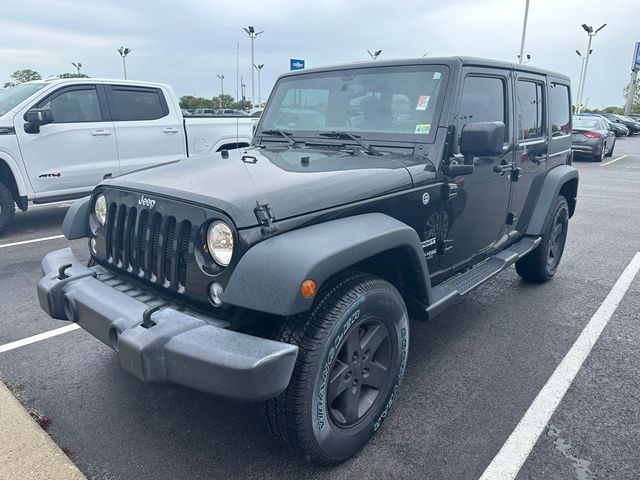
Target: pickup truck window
(78, 104)
(482, 100)
(529, 109)
(136, 103)
(385, 100)
(14, 96)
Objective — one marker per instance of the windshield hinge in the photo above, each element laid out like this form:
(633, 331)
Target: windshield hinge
(265, 217)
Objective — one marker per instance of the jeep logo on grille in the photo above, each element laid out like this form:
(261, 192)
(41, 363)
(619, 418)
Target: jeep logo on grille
(146, 202)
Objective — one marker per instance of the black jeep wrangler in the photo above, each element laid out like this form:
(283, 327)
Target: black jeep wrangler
(287, 272)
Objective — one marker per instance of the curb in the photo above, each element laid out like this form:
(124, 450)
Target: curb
(26, 450)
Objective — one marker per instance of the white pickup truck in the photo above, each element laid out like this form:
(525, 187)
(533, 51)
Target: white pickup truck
(60, 138)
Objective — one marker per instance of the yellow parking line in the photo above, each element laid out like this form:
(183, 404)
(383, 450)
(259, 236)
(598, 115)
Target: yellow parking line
(614, 160)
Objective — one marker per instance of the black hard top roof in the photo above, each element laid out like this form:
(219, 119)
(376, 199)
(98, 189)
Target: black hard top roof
(451, 61)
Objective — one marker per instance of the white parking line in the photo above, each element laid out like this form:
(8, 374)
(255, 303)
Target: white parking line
(612, 161)
(34, 240)
(509, 460)
(37, 338)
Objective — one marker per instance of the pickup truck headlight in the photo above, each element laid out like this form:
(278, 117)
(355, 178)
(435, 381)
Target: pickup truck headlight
(100, 209)
(220, 242)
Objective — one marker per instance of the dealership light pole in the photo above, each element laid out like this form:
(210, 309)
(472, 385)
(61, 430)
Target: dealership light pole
(221, 77)
(259, 68)
(252, 35)
(591, 33)
(524, 32)
(374, 55)
(582, 59)
(78, 66)
(124, 51)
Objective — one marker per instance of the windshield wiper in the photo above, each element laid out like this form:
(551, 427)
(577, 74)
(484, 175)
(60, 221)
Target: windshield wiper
(350, 136)
(281, 133)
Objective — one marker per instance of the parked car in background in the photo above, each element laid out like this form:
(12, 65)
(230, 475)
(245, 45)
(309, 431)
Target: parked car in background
(230, 111)
(59, 138)
(618, 128)
(592, 137)
(632, 125)
(634, 116)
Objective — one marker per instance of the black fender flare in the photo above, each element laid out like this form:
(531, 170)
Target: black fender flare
(76, 222)
(268, 276)
(558, 178)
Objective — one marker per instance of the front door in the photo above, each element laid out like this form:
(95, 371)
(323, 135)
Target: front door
(475, 216)
(72, 154)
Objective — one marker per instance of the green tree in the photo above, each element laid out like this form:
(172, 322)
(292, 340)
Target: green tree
(190, 102)
(223, 101)
(21, 76)
(73, 75)
(635, 102)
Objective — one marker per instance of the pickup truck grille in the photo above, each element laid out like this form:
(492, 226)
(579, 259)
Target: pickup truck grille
(148, 244)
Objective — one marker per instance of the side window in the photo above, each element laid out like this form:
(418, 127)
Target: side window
(529, 109)
(133, 103)
(483, 100)
(559, 110)
(73, 106)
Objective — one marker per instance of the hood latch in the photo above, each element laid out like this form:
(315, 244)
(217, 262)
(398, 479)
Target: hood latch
(266, 218)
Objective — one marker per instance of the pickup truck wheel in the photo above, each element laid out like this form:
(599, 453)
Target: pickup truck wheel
(541, 264)
(7, 207)
(353, 351)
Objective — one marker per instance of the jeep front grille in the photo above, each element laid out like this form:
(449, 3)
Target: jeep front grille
(148, 244)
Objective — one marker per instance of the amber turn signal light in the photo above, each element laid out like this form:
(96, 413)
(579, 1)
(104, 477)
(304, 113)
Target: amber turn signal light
(308, 288)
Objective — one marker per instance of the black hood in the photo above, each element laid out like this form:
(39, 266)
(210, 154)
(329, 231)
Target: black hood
(280, 177)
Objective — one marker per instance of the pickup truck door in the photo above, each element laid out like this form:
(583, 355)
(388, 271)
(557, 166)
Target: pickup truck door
(148, 130)
(71, 155)
(475, 217)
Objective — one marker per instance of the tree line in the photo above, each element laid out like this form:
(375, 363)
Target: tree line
(189, 102)
(28, 75)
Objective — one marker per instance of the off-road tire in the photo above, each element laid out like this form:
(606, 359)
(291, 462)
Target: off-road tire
(7, 207)
(541, 264)
(303, 417)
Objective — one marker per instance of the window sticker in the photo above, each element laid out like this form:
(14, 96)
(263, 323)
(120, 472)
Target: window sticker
(423, 102)
(423, 128)
(437, 75)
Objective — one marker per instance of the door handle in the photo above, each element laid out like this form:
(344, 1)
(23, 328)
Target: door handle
(100, 133)
(503, 168)
(538, 159)
(170, 130)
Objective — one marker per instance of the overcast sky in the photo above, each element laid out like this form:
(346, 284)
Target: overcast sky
(186, 43)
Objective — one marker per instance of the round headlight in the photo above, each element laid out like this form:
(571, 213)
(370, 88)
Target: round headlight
(100, 209)
(220, 242)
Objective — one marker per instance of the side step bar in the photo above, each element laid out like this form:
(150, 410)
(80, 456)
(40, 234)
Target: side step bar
(451, 291)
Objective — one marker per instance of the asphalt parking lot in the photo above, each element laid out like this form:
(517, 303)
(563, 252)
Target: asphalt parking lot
(473, 372)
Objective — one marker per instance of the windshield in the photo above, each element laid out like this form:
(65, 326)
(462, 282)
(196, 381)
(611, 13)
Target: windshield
(15, 95)
(375, 102)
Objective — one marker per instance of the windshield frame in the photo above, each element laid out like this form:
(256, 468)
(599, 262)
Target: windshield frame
(374, 137)
(13, 91)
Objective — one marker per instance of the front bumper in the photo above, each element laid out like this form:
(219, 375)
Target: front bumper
(171, 345)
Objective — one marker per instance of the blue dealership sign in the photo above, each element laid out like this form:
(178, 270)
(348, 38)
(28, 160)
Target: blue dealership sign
(296, 64)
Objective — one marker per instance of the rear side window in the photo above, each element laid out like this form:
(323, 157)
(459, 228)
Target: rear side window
(483, 100)
(529, 109)
(559, 110)
(134, 103)
(74, 105)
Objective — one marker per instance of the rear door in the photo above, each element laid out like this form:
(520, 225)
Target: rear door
(147, 131)
(532, 141)
(474, 218)
(72, 154)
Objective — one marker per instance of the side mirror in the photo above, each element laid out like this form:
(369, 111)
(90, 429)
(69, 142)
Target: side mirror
(35, 118)
(481, 139)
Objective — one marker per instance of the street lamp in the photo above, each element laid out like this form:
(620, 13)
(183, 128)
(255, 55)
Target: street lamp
(524, 32)
(591, 33)
(252, 35)
(582, 60)
(221, 77)
(259, 68)
(375, 54)
(521, 61)
(124, 51)
(78, 66)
